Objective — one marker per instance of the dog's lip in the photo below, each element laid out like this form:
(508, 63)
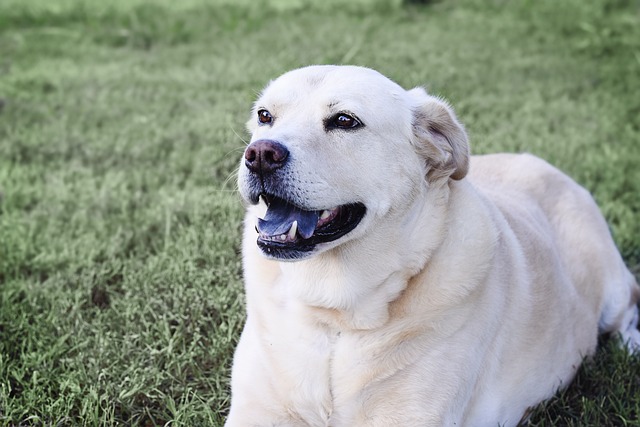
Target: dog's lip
(301, 229)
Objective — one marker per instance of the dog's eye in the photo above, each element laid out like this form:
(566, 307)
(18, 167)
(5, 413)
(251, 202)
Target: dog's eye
(344, 121)
(264, 117)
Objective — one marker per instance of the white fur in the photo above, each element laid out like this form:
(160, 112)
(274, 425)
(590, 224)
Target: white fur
(458, 300)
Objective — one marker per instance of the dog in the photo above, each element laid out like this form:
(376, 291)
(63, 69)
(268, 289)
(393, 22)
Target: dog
(394, 280)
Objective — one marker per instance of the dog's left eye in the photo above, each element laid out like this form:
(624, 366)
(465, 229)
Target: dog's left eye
(343, 121)
(265, 117)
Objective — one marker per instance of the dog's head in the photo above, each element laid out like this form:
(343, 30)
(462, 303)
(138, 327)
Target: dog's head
(338, 152)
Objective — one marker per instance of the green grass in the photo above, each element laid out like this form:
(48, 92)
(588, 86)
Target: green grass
(121, 125)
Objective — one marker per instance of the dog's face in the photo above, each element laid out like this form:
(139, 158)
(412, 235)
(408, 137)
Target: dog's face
(337, 153)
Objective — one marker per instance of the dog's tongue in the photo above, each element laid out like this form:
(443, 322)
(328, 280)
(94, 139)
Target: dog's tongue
(280, 217)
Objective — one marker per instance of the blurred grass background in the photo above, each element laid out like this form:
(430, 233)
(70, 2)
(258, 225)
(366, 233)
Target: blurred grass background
(121, 126)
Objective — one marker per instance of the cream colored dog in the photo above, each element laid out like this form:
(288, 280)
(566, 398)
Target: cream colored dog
(392, 280)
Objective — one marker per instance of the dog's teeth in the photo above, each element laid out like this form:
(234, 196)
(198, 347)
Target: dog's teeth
(325, 214)
(283, 237)
(262, 207)
(293, 230)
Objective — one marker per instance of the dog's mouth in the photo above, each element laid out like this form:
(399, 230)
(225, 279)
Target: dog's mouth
(290, 232)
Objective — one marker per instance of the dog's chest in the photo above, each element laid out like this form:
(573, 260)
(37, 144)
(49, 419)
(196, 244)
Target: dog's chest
(304, 360)
(305, 356)
(330, 372)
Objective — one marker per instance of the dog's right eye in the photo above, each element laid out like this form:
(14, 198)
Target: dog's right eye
(343, 121)
(265, 117)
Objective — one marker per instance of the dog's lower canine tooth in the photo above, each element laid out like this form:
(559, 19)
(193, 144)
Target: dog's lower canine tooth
(293, 230)
(325, 214)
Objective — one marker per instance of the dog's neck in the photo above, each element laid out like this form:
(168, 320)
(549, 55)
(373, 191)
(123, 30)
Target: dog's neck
(351, 286)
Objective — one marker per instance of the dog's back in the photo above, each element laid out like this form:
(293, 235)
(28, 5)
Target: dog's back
(580, 233)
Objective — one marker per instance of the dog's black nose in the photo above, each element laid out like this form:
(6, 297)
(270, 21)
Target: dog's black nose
(264, 156)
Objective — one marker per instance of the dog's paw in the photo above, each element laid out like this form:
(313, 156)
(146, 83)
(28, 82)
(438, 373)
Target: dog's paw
(629, 334)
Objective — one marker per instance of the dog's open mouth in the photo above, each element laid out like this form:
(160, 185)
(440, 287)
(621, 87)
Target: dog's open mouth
(288, 231)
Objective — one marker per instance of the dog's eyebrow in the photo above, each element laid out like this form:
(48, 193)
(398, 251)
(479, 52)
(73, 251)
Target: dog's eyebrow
(267, 106)
(341, 105)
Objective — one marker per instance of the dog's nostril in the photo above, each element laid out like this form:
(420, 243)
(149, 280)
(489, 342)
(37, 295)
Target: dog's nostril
(275, 157)
(265, 156)
(250, 154)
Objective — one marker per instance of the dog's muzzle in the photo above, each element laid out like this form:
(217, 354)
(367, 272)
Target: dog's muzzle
(289, 231)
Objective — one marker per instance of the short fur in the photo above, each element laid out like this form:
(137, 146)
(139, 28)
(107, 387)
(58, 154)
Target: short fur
(471, 290)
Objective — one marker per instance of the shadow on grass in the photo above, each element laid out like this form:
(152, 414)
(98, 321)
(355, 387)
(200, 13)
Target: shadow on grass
(599, 390)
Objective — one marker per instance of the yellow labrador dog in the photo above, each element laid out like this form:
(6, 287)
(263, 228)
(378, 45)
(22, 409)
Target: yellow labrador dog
(393, 280)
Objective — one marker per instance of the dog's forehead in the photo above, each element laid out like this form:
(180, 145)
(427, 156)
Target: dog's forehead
(328, 86)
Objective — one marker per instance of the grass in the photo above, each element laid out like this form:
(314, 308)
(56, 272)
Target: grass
(121, 125)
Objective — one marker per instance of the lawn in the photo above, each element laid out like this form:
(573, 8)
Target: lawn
(122, 125)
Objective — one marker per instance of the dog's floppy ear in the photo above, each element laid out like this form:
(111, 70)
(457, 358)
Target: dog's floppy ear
(439, 136)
